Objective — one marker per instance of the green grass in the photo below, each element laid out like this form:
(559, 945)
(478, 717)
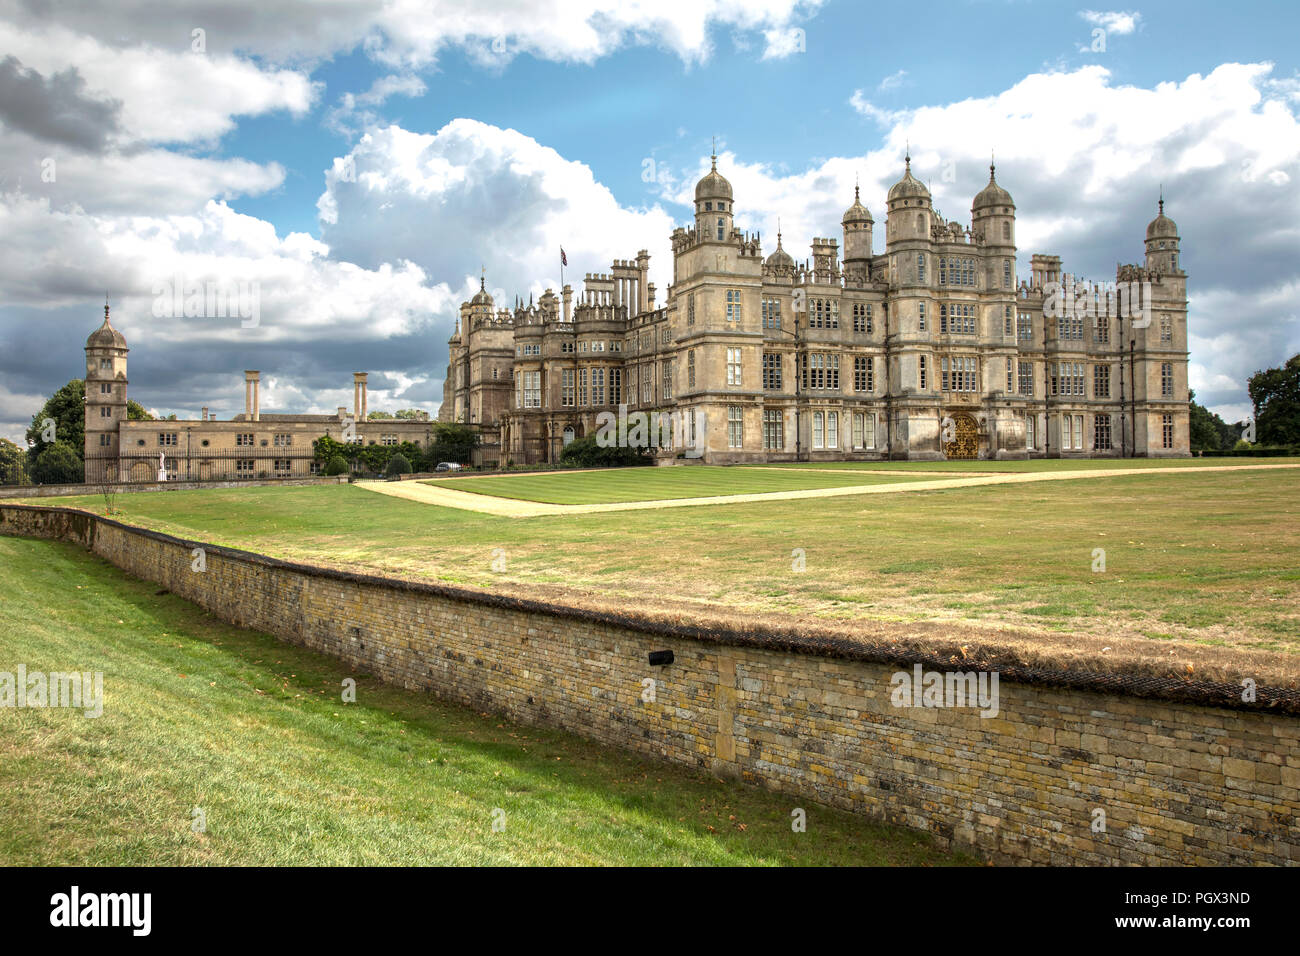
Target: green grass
(1216, 552)
(253, 732)
(656, 484)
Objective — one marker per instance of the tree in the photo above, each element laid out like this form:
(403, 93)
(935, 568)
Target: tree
(58, 464)
(1209, 432)
(585, 452)
(13, 464)
(1275, 393)
(452, 442)
(137, 413)
(398, 465)
(66, 408)
(337, 465)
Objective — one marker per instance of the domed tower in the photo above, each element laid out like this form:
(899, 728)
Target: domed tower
(780, 264)
(105, 400)
(1162, 243)
(713, 206)
(857, 223)
(909, 211)
(994, 213)
(482, 305)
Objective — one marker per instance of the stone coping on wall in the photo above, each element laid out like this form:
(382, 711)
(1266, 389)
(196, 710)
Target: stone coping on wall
(128, 487)
(788, 640)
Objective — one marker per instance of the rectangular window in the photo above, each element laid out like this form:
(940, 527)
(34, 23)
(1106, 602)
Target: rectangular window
(1167, 429)
(733, 305)
(1101, 382)
(832, 429)
(862, 374)
(244, 438)
(819, 430)
(771, 313)
(735, 426)
(169, 438)
(615, 386)
(388, 439)
(1030, 421)
(858, 428)
(833, 372)
(566, 388)
(690, 309)
(105, 388)
(532, 389)
(647, 384)
(282, 440)
(1006, 320)
(921, 376)
(1024, 326)
(772, 371)
(690, 369)
(869, 431)
(773, 428)
(1101, 432)
(1006, 273)
(859, 317)
(1011, 366)
(667, 380)
(920, 267)
(1166, 380)
(105, 412)
(244, 466)
(282, 466)
(920, 316)
(957, 374)
(733, 367)
(597, 387)
(1166, 330)
(957, 318)
(1025, 377)
(1101, 330)
(582, 387)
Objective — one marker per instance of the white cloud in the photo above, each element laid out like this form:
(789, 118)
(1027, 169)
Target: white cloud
(891, 82)
(1113, 21)
(868, 109)
(783, 42)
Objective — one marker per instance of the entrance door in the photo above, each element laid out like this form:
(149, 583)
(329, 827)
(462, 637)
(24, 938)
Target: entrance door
(965, 442)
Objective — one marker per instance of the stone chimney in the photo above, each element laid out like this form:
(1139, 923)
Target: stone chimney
(252, 395)
(359, 395)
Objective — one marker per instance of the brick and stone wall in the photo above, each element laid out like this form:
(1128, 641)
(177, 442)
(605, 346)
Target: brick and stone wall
(1180, 781)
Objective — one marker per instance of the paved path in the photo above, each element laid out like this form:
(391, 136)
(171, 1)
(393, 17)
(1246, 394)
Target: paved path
(512, 508)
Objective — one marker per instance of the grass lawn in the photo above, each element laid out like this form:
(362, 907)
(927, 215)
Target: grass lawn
(656, 484)
(253, 732)
(1212, 559)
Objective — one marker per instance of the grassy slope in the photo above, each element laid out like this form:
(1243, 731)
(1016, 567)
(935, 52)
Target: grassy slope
(198, 714)
(1209, 558)
(656, 484)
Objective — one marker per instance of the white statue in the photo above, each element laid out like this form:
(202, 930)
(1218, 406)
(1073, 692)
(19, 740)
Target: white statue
(162, 466)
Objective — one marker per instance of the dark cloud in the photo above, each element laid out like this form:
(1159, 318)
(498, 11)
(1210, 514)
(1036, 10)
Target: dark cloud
(55, 109)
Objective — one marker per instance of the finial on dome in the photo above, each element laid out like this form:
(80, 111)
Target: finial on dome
(106, 308)
(1162, 199)
(992, 166)
(907, 155)
(714, 156)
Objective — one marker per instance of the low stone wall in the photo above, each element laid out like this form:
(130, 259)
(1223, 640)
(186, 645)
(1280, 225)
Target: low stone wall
(126, 487)
(1175, 781)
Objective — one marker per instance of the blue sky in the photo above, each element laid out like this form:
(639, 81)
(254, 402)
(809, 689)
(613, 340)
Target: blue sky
(488, 134)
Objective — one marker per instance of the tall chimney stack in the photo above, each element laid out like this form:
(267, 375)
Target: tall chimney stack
(359, 395)
(252, 395)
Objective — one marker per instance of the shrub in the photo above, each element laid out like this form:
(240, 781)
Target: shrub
(58, 464)
(398, 465)
(586, 453)
(338, 465)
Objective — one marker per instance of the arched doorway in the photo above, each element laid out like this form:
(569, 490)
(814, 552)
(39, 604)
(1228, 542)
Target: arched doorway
(963, 435)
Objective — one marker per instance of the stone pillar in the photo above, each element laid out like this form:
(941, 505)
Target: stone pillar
(567, 295)
(359, 395)
(252, 395)
(643, 267)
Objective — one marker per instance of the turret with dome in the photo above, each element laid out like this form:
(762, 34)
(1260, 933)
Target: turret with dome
(857, 223)
(713, 205)
(1162, 242)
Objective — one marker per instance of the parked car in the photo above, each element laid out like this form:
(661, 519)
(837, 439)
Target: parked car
(448, 466)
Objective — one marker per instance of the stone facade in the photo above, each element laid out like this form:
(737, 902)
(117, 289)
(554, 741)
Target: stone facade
(250, 446)
(1179, 781)
(933, 349)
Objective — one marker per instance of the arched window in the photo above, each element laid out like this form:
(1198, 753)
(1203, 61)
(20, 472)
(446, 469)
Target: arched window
(1006, 231)
(720, 229)
(920, 222)
(568, 434)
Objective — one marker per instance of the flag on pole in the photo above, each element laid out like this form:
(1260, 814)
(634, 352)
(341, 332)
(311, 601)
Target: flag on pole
(564, 260)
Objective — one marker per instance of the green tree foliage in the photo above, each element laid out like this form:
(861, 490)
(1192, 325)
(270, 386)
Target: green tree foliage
(452, 442)
(67, 409)
(398, 465)
(13, 464)
(136, 412)
(1275, 393)
(1209, 432)
(371, 458)
(337, 465)
(586, 453)
(58, 464)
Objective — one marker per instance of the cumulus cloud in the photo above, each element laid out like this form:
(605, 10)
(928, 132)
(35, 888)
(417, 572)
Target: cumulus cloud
(55, 108)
